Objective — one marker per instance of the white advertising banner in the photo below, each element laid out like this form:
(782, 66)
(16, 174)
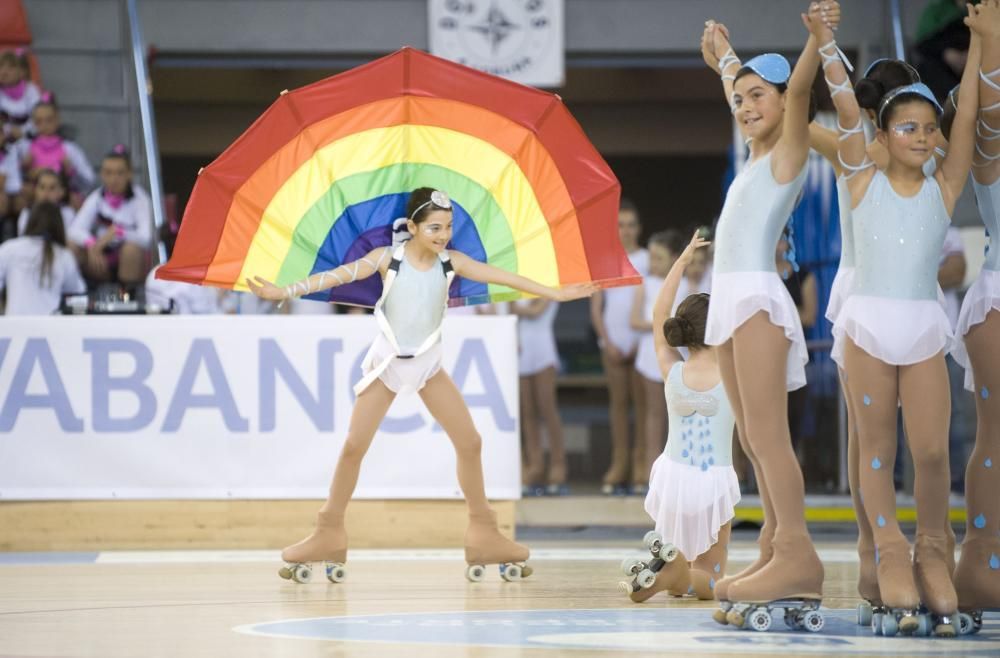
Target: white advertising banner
(522, 40)
(234, 407)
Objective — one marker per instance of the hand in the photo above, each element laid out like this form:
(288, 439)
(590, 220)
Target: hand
(984, 18)
(697, 242)
(821, 21)
(266, 290)
(575, 291)
(96, 263)
(708, 47)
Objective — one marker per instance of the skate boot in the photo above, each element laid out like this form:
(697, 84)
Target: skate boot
(667, 570)
(868, 586)
(722, 587)
(703, 584)
(898, 588)
(485, 545)
(977, 582)
(792, 581)
(930, 571)
(327, 545)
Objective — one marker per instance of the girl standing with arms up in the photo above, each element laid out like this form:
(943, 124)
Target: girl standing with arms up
(892, 330)
(977, 578)
(406, 357)
(753, 320)
(692, 488)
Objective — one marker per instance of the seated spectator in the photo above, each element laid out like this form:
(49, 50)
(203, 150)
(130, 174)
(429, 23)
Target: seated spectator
(18, 94)
(112, 232)
(47, 186)
(37, 268)
(177, 296)
(48, 149)
(10, 178)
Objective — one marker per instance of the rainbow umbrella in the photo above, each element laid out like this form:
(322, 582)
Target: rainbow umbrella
(320, 177)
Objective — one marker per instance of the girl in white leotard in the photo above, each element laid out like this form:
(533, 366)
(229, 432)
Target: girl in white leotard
(692, 488)
(892, 330)
(609, 314)
(406, 356)
(664, 248)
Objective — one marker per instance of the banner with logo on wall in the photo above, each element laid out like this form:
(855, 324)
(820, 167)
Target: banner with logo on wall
(521, 40)
(234, 407)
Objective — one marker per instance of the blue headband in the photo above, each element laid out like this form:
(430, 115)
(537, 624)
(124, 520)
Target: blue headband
(771, 67)
(871, 67)
(916, 89)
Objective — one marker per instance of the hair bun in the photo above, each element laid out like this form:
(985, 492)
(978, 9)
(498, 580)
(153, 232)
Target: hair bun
(678, 331)
(869, 92)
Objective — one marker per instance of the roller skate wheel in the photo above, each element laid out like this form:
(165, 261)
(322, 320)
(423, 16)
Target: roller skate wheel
(652, 540)
(302, 573)
(475, 573)
(735, 619)
(646, 578)
(668, 553)
(813, 621)
(526, 570)
(910, 624)
(286, 574)
(720, 617)
(336, 573)
(632, 566)
(760, 620)
(890, 626)
(877, 623)
(510, 572)
(965, 624)
(864, 614)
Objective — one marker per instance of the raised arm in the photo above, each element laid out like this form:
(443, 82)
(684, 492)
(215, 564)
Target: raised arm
(666, 355)
(719, 56)
(372, 262)
(954, 169)
(852, 153)
(473, 269)
(824, 141)
(986, 163)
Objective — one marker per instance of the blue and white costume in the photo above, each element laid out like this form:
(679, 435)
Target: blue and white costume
(693, 488)
(843, 280)
(744, 278)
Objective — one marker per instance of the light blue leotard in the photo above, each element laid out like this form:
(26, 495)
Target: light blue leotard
(988, 198)
(701, 423)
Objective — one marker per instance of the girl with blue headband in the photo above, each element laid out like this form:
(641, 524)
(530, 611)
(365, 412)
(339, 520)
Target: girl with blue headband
(977, 577)
(893, 333)
(753, 321)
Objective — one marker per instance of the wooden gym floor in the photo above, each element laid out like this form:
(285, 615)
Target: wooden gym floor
(406, 602)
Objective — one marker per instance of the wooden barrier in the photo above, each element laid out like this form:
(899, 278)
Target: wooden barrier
(224, 524)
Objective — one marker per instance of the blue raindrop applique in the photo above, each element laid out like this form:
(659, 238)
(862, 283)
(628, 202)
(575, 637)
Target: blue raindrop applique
(718, 567)
(988, 463)
(994, 562)
(880, 521)
(868, 401)
(979, 522)
(711, 583)
(876, 463)
(985, 393)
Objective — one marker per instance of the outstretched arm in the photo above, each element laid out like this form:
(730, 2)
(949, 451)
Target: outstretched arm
(471, 268)
(362, 268)
(954, 169)
(666, 355)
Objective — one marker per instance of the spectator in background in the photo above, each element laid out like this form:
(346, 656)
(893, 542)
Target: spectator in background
(801, 285)
(47, 186)
(942, 45)
(610, 312)
(48, 149)
(10, 180)
(962, 428)
(112, 232)
(37, 268)
(18, 94)
(176, 296)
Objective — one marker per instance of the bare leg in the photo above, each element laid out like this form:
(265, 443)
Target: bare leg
(875, 388)
(534, 457)
(548, 408)
(655, 426)
(710, 566)
(977, 577)
(761, 351)
(618, 398)
(640, 476)
(329, 540)
(131, 264)
(483, 542)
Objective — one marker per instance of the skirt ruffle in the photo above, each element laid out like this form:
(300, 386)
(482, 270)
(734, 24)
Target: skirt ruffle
(689, 504)
(738, 296)
(982, 297)
(839, 291)
(899, 332)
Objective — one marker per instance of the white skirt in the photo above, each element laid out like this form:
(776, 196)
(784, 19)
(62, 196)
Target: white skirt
(646, 362)
(899, 332)
(689, 504)
(982, 297)
(402, 375)
(839, 292)
(737, 296)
